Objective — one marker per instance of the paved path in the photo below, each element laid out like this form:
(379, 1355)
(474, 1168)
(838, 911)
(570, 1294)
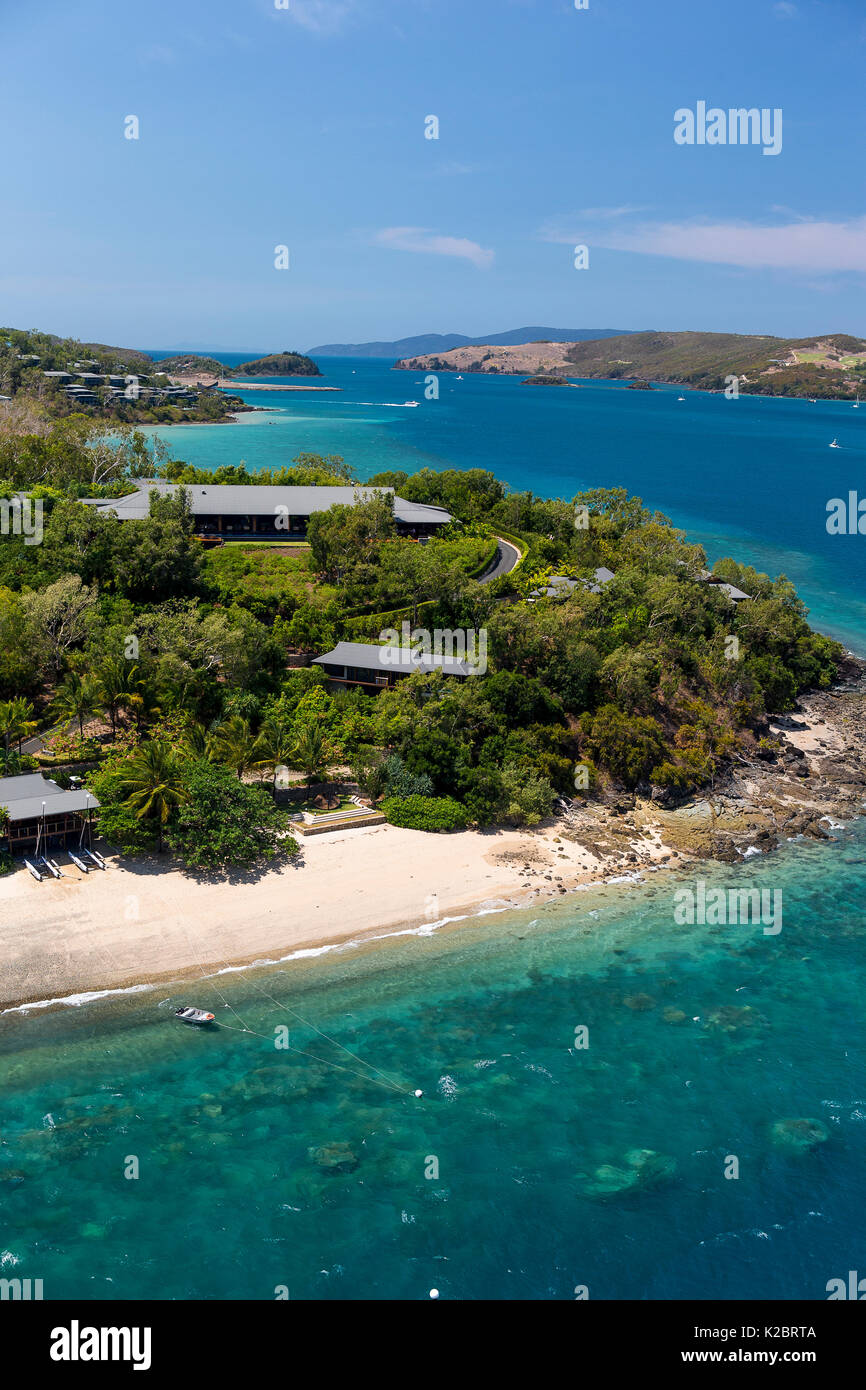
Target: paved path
(506, 558)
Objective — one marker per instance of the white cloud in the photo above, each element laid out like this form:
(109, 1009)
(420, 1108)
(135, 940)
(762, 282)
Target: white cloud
(595, 214)
(323, 17)
(419, 239)
(784, 9)
(821, 247)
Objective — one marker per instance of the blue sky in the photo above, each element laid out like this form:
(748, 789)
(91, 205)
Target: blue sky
(304, 127)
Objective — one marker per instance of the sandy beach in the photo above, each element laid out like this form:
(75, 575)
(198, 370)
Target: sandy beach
(147, 921)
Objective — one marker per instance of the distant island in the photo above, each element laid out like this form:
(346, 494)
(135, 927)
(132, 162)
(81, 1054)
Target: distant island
(190, 364)
(277, 364)
(444, 342)
(832, 365)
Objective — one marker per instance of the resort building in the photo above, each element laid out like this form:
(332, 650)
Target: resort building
(376, 667)
(40, 816)
(232, 510)
(560, 586)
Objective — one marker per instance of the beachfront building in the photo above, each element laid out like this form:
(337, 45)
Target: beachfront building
(40, 816)
(230, 511)
(376, 667)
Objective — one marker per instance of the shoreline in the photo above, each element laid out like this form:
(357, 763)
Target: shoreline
(135, 927)
(146, 921)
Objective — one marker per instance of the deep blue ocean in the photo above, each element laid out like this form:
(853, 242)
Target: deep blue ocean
(530, 1166)
(749, 477)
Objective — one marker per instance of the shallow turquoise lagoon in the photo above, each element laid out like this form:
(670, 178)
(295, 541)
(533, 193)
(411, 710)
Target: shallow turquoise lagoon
(557, 1166)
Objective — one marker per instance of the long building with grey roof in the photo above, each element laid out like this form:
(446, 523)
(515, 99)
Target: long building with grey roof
(244, 509)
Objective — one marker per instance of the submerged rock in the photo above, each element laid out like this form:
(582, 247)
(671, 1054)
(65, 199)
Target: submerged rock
(731, 1018)
(335, 1158)
(639, 1002)
(799, 1135)
(641, 1168)
(673, 1015)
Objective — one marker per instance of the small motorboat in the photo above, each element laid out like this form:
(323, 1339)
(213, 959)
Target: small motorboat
(680, 398)
(190, 1015)
(835, 444)
(410, 402)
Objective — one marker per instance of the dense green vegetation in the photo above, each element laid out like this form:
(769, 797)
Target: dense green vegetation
(191, 364)
(278, 364)
(171, 667)
(705, 360)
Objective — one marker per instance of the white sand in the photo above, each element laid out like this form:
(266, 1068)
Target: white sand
(146, 921)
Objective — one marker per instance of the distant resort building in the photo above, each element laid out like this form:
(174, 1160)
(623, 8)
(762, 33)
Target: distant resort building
(231, 510)
(560, 585)
(82, 386)
(734, 594)
(376, 667)
(41, 816)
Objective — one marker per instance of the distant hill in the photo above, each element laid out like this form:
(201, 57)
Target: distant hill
(832, 365)
(444, 342)
(190, 363)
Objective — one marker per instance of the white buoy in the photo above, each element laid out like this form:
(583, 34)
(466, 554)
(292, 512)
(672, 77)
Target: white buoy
(434, 1293)
(418, 1095)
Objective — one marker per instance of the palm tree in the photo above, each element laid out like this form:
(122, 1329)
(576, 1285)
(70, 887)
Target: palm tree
(235, 744)
(119, 687)
(16, 722)
(276, 746)
(77, 699)
(153, 783)
(311, 750)
(199, 743)
(7, 729)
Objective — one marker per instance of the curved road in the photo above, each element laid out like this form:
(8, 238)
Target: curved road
(505, 560)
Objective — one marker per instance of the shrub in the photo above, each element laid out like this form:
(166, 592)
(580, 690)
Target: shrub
(426, 812)
(528, 797)
(403, 783)
(628, 745)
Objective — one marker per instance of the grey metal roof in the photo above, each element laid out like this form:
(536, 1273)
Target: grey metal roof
(23, 797)
(733, 592)
(559, 585)
(368, 656)
(245, 499)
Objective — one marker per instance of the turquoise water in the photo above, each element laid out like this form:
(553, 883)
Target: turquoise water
(749, 478)
(701, 1039)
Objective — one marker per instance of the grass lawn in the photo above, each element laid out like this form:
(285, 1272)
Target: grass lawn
(267, 570)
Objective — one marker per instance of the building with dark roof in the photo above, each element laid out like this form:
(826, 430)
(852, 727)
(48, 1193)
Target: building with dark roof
(376, 667)
(245, 509)
(39, 813)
